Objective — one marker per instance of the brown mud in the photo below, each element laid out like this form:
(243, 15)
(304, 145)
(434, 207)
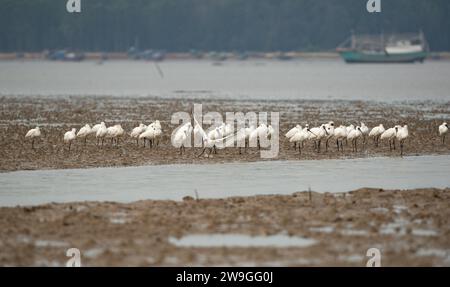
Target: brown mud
(55, 116)
(409, 227)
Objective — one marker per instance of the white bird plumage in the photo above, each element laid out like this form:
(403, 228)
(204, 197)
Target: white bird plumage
(401, 135)
(101, 132)
(340, 133)
(70, 136)
(316, 134)
(353, 136)
(389, 135)
(376, 133)
(33, 134)
(84, 132)
(180, 138)
(299, 138)
(137, 131)
(443, 130)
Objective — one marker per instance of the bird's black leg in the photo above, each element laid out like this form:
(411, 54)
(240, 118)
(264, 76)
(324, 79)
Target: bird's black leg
(203, 151)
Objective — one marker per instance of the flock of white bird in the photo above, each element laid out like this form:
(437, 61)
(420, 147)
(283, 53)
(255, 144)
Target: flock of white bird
(149, 133)
(328, 131)
(217, 136)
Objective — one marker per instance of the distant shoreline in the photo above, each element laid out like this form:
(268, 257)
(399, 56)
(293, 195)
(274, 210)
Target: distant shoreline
(283, 56)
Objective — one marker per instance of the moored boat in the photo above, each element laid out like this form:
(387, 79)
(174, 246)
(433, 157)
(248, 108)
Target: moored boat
(398, 48)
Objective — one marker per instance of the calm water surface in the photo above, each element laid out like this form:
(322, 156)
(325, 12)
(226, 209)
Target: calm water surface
(127, 184)
(268, 80)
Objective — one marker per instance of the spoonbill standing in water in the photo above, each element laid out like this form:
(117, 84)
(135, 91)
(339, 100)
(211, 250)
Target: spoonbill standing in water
(402, 134)
(69, 137)
(84, 132)
(33, 134)
(443, 130)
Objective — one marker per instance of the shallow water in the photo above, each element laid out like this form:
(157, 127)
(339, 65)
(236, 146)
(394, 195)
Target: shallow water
(173, 182)
(240, 240)
(253, 79)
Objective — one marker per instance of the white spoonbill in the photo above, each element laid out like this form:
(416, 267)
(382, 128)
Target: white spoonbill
(292, 132)
(118, 133)
(244, 135)
(349, 129)
(443, 130)
(353, 137)
(84, 132)
(316, 134)
(101, 133)
(96, 127)
(158, 133)
(330, 132)
(376, 132)
(389, 135)
(340, 134)
(149, 134)
(248, 132)
(402, 134)
(258, 134)
(110, 132)
(137, 131)
(365, 131)
(299, 137)
(69, 137)
(33, 134)
(214, 137)
(181, 137)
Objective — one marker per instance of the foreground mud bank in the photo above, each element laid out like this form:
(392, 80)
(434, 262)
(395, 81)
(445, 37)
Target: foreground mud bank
(55, 116)
(409, 227)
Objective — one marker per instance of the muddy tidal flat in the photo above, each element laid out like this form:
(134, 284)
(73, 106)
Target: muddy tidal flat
(409, 227)
(56, 115)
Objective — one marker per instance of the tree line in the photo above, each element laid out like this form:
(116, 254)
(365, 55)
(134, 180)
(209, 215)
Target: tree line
(213, 25)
